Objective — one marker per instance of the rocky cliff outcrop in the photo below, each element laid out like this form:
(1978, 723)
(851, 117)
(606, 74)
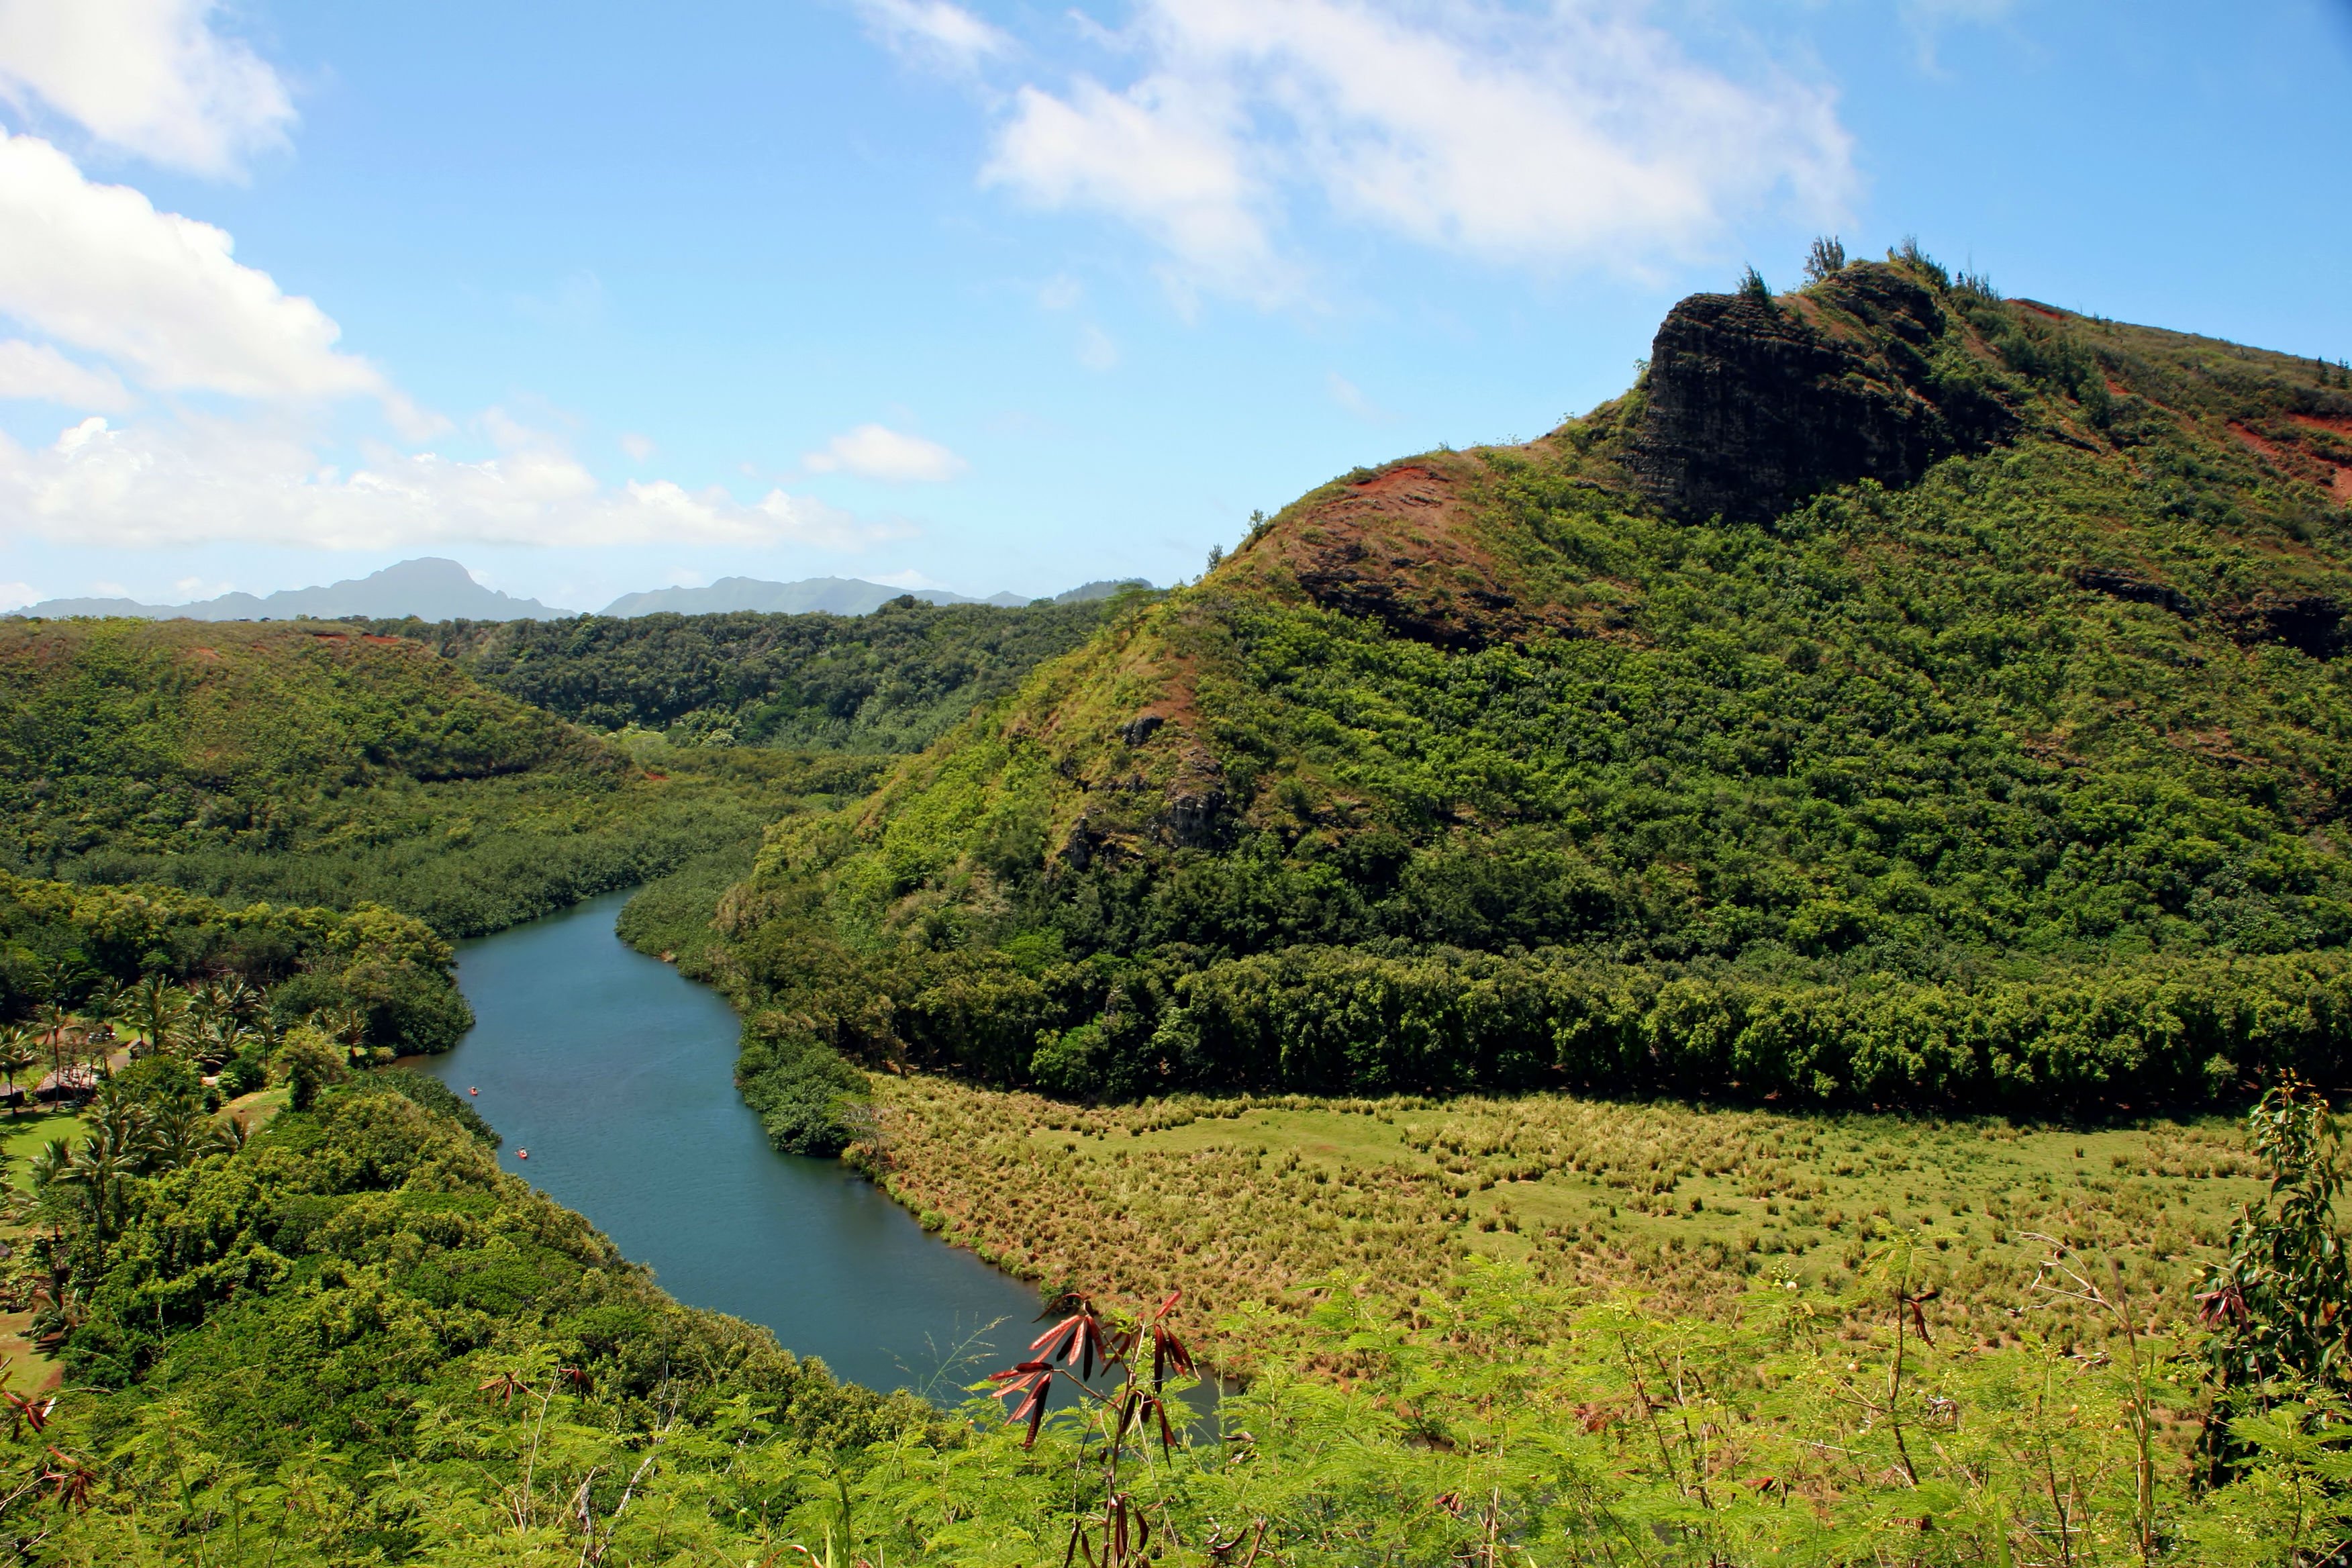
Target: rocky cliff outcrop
(1754, 404)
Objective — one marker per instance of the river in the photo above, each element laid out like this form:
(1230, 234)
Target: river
(617, 1076)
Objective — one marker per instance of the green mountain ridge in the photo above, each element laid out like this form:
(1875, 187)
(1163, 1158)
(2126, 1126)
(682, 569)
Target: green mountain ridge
(1901, 692)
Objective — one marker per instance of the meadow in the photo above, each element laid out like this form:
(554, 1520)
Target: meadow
(1250, 1204)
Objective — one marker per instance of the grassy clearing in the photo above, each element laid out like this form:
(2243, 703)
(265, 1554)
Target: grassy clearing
(23, 1368)
(23, 1136)
(1246, 1201)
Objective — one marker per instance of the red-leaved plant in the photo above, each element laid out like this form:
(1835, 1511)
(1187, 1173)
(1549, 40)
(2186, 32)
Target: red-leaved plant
(1116, 1533)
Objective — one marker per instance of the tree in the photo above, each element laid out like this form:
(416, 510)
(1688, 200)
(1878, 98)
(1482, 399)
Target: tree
(307, 1062)
(1825, 259)
(17, 1054)
(2277, 1304)
(154, 1009)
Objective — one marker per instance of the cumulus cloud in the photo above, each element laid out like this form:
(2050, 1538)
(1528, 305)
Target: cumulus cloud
(161, 295)
(202, 480)
(878, 452)
(1096, 349)
(1583, 134)
(17, 596)
(933, 33)
(149, 77)
(38, 371)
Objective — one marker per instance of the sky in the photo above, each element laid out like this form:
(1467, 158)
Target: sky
(597, 296)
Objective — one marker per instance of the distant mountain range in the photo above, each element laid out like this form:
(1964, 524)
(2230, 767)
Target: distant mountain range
(434, 589)
(836, 596)
(429, 587)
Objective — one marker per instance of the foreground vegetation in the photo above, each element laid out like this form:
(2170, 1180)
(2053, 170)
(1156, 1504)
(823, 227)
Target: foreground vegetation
(2012, 788)
(351, 1338)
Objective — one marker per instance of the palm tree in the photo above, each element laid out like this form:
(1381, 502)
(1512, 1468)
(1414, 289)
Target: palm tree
(174, 1135)
(156, 1008)
(17, 1054)
(228, 1135)
(346, 1025)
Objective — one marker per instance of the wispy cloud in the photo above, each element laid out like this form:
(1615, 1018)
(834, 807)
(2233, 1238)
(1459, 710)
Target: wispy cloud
(878, 452)
(1582, 135)
(148, 77)
(40, 371)
(1349, 396)
(934, 33)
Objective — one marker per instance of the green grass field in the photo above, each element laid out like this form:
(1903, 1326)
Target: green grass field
(1243, 1203)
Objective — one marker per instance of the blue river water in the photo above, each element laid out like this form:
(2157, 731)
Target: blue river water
(615, 1074)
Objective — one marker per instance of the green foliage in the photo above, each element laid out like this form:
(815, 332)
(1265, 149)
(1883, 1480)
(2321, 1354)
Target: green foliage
(1824, 259)
(126, 952)
(799, 1086)
(319, 1346)
(891, 681)
(1752, 285)
(2008, 786)
(305, 764)
(2280, 1300)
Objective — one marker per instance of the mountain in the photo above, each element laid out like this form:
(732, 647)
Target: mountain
(832, 596)
(1903, 694)
(1087, 592)
(429, 588)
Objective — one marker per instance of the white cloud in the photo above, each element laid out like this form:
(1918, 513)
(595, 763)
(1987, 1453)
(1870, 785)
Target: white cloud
(161, 295)
(1582, 135)
(150, 77)
(1060, 292)
(1167, 156)
(878, 452)
(17, 596)
(203, 480)
(910, 579)
(1096, 350)
(933, 33)
(38, 371)
(638, 447)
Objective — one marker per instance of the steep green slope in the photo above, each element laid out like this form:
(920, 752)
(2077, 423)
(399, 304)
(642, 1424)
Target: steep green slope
(311, 764)
(1902, 693)
(891, 681)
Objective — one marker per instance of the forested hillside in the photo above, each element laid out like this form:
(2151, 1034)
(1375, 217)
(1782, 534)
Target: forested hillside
(1902, 693)
(894, 680)
(314, 764)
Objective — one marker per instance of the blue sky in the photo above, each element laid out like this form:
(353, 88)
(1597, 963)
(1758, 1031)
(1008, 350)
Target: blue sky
(597, 296)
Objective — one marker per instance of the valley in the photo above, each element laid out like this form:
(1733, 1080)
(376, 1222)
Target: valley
(1753, 980)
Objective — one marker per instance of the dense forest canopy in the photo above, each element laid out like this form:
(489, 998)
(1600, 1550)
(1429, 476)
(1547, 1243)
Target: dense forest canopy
(1990, 744)
(315, 764)
(894, 680)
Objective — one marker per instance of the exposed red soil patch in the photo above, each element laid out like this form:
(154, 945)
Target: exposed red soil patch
(2038, 309)
(1396, 547)
(204, 655)
(332, 637)
(2321, 469)
(370, 636)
